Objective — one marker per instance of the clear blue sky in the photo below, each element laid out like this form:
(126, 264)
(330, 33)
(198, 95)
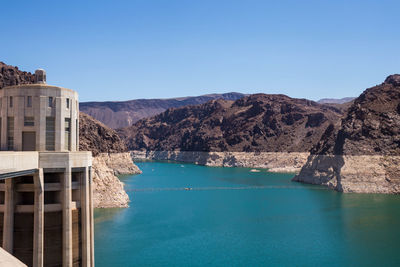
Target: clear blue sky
(120, 50)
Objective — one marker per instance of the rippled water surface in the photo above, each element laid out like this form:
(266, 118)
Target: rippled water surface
(234, 217)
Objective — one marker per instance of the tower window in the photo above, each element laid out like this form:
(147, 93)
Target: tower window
(77, 134)
(50, 101)
(29, 121)
(29, 101)
(10, 133)
(67, 140)
(50, 133)
(67, 102)
(11, 102)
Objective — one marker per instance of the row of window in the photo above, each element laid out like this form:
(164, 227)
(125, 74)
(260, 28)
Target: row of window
(10, 133)
(29, 102)
(30, 121)
(50, 132)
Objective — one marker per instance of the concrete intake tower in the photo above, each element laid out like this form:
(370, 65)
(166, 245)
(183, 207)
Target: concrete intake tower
(46, 210)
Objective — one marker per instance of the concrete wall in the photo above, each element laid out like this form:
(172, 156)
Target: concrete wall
(40, 109)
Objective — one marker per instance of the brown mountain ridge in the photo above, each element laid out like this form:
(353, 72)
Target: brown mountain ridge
(260, 122)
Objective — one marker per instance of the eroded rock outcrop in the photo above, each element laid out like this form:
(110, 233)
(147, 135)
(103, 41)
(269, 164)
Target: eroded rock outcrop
(363, 153)
(110, 159)
(108, 190)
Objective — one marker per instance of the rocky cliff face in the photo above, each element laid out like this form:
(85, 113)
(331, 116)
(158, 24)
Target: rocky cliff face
(363, 153)
(10, 75)
(110, 159)
(256, 123)
(98, 138)
(108, 190)
(125, 113)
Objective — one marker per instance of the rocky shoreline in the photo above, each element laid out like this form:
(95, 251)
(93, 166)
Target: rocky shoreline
(353, 174)
(285, 162)
(108, 190)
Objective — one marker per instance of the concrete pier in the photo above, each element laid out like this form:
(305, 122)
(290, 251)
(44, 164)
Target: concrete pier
(67, 218)
(8, 224)
(38, 227)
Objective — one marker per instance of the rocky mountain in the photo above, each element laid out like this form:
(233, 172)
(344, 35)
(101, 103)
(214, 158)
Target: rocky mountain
(124, 113)
(336, 100)
(260, 122)
(10, 75)
(98, 138)
(362, 154)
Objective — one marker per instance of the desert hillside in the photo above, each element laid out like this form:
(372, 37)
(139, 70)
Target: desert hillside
(98, 138)
(260, 122)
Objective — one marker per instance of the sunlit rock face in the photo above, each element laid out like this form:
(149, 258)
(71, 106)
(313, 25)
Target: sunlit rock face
(108, 190)
(363, 153)
(255, 123)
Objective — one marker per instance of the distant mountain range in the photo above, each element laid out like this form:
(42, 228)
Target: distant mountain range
(124, 113)
(336, 100)
(120, 114)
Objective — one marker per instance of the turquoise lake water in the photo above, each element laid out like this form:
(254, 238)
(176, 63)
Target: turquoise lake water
(234, 217)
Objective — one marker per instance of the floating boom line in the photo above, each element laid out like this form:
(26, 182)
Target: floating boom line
(220, 188)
